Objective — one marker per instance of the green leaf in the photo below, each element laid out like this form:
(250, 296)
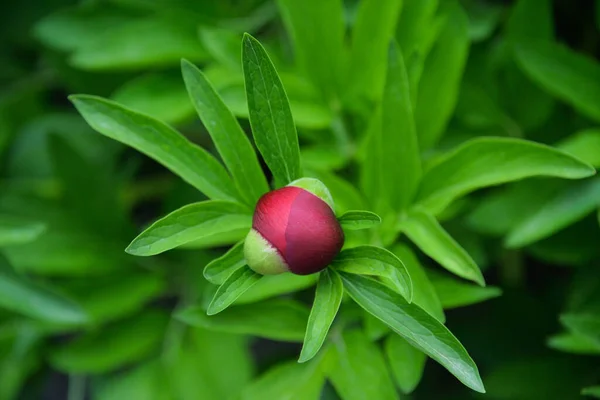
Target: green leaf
(373, 28)
(19, 294)
(591, 391)
(283, 320)
(485, 162)
(573, 343)
(531, 19)
(327, 301)
(570, 76)
(288, 381)
(585, 324)
(376, 261)
(119, 295)
(406, 362)
(218, 270)
(354, 220)
(358, 371)
(143, 382)
(139, 94)
(556, 213)
(399, 134)
(270, 116)
(229, 138)
(160, 142)
(426, 232)
(584, 145)
(223, 370)
(441, 77)
(317, 31)
(189, 223)
(346, 196)
(17, 230)
(140, 43)
(392, 149)
(416, 326)
(276, 285)
(235, 285)
(453, 293)
(128, 341)
(424, 294)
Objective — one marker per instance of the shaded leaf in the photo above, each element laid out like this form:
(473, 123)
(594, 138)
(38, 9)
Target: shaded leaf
(373, 28)
(358, 370)
(19, 294)
(573, 343)
(454, 293)
(288, 381)
(556, 213)
(192, 222)
(317, 31)
(129, 341)
(273, 319)
(442, 73)
(570, 76)
(424, 294)
(406, 362)
(17, 230)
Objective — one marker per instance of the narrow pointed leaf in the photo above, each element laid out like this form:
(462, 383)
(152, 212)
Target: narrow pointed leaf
(574, 343)
(371, 260)
(568, 75)
(558, 212)
(160, 142)
(371, 35)
(317, 31)
(416, 326)
(19, 294)
(218, 270)
(591, 391)
(237, 283)
(486, 162)
(455, 293)
(192, 222)
(424, 294)
(406, 362)
(354, 220)
(278, 319)
(586, 324)
(392, 166)
(287, 381)
(324, 309)
(270, 116)
(358, 370)
(426, 232)
(442, 73)
(276, 285)
(229, 138)
(15, 230)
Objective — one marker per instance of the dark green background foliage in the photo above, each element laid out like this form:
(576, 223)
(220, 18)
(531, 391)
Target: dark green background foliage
(459, 140)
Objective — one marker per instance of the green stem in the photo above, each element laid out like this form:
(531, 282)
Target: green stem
(76, 387)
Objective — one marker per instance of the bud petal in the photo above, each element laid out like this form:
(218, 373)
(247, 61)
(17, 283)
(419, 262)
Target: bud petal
(261, 256)
(294, 230)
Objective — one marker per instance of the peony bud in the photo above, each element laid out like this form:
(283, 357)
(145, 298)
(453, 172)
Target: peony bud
(294, 229)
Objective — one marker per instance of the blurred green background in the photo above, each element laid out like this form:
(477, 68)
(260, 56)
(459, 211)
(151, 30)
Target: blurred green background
(71, 200)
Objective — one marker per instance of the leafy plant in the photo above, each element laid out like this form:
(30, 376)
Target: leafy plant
(409, 113)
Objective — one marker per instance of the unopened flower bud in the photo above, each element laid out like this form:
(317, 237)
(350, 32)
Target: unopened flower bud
(294, 229)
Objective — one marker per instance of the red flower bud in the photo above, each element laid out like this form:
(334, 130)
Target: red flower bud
(292, 230)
